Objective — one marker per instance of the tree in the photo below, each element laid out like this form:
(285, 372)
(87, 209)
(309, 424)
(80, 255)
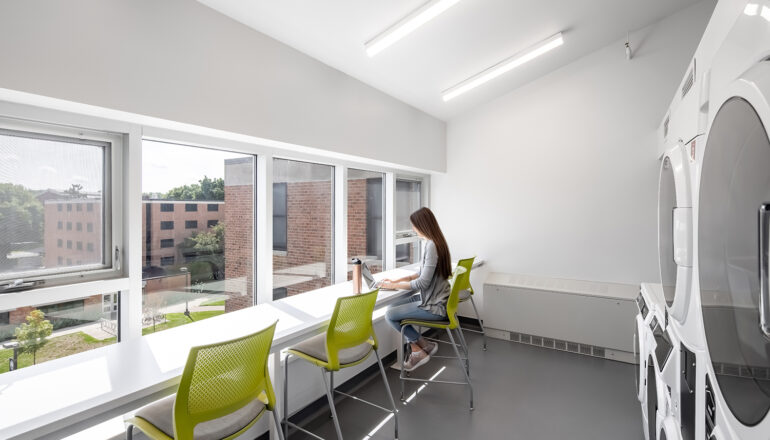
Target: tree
(21, 217)
(205, 252)
(75, 190)
(33, 333)
(205, 189)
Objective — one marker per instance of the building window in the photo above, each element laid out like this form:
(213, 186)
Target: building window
(60, 260)
(212, 223)
(280, 225)
(69, 261)
(303, 201)
(69, 226)
(60, 225)
(58, 207)
(69, 244)
(366, 233)
(90, 207)
(90, 247)
(69, 207)
(213, 207)
(80, 245)
(90, 227)
(5, 318)
(79, 207)
(79, 226)
(59, 242)
(213, 267)
(166, 207)
(408, 200)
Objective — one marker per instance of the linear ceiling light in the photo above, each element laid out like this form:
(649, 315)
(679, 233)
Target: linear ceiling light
(503, 66)
(406, 25)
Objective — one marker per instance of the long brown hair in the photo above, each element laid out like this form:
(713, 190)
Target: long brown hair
(424, 221)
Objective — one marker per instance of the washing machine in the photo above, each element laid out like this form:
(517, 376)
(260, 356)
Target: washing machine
(732, 226)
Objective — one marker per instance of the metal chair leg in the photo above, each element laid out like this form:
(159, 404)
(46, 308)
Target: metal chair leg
(462, 365)
(285, 396)
(278, 429)
(331, 385)
(481, 323)
(330, 397)
(465, 349)
(129, 432)
(401, 371)
(390, 395)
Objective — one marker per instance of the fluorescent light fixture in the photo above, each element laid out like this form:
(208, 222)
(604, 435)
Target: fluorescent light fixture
(751, 9)
(406, 25)
(765, 13)
(503, 66)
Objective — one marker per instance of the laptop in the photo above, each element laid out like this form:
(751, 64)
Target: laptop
(367, 274)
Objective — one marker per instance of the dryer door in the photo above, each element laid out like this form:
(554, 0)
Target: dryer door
(735, 186)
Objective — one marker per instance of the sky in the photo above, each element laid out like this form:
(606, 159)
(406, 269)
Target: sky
(42, 164)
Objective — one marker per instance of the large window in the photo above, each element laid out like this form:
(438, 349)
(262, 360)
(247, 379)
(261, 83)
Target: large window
(43, 332)
(366, 204)
(207, 267)
(39, 174)
(408, 200)
(305, 262)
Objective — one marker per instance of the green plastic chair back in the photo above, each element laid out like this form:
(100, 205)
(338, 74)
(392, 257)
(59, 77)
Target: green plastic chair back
(221, 378)
(458, 279)
(350, 325)
(467, 263)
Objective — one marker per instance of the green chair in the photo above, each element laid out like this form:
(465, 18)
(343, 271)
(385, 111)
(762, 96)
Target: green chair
(348, 341)
(457, 281)
(225, 389)
(466, 293)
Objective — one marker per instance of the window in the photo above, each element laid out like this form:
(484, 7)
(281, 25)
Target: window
(59, 225)
(408, 200)
(190, 207)
(69, 226)
(79, 207)
(280, 225)
(365, 227)
(80, 245)
(74, 326)
(306, 262)
(58, 207)
(212, 207)
(59, 243)
(203, 271)
(79, 226)
(69, 261)
(69, 244)
(166, 207)
(60, 260)
(90, 227)
(69, 206)
(90, 247)
(90, 207)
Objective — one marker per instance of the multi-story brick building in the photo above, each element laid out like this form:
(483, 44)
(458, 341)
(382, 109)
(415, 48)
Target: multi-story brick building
(72, 232)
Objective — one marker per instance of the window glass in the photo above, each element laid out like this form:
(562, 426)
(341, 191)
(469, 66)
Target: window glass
(408, 253)
(206, 268)
(38, 175)
(408, 200)
(366, 231)
(37, 334)
(305, 262)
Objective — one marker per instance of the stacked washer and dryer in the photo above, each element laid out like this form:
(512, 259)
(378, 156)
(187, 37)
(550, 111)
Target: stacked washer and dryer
(712, 305)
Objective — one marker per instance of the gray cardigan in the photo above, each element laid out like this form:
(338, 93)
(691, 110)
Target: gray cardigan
(434, 290)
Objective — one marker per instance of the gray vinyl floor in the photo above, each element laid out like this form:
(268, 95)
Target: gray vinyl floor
(521, 392)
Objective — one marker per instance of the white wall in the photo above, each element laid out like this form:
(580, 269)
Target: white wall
(181, 61)
(559, 178)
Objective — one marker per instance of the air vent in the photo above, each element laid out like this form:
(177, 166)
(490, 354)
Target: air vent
(556, 344)
(665, 126)
(689, 80)
(598, 352)
(711, 409)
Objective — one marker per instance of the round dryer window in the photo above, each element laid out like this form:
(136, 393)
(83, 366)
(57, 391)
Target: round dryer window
(666, 204)
(735, 188)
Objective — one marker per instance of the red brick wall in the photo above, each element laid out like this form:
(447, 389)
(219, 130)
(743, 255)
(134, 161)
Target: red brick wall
(239, 246)
(309, 232)
(51, 232)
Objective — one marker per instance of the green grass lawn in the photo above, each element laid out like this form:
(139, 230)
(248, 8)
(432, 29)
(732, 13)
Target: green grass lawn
(214, 302)
(56, 347)
(177, 319)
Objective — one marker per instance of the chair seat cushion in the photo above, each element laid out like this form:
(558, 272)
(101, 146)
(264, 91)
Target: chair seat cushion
(161, 414)
(464, 295)
(315, 347)
(429, 324)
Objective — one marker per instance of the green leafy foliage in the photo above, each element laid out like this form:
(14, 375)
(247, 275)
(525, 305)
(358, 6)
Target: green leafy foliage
(33, 333)
(205, 189)
(21, 217)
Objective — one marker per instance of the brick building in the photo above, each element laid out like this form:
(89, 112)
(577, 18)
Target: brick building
(239, 233)
(72, 232)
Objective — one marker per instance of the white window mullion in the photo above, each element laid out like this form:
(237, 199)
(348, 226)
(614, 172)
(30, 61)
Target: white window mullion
(264, 230)
(131, 251)
(340, 224)
(389, 218)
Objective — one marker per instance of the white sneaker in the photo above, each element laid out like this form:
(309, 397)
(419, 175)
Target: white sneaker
(416, 359)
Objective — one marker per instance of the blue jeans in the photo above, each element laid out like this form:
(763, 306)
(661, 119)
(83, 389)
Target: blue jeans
(407, 308)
